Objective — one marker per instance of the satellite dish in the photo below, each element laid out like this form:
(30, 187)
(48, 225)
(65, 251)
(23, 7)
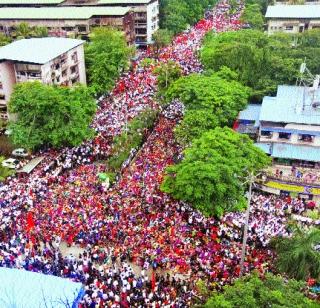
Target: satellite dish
(303, 67)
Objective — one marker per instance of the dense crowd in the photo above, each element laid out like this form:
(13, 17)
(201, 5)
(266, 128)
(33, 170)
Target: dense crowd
(132, 229)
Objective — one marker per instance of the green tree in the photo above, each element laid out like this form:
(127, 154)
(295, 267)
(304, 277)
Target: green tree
(46, 115)
(39, 32)
(167, 73)
(23, 30)
(297, 255)
(218, 94)
(269, 291)
(161, 38)
(252, 15)
(4, 172)
(106, 55)
(194, 124)
(261, 62)
(4, 40)
(208, 176)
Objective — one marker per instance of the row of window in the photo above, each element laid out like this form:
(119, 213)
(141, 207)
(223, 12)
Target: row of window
(287, 136)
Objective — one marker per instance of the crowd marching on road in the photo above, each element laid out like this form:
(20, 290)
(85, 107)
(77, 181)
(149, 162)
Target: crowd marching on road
(132, 223)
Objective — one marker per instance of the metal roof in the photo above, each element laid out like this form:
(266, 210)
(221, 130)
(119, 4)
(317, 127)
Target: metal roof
(37, 50)
(124, 1)
(83, 12)
(291, 151)
(288, 106)
(293, 11)
(251, 113)
(3, 2)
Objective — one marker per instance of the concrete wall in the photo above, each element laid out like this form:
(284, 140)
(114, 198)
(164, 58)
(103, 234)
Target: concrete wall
(8, 79)
(152, 19)
(291, 25)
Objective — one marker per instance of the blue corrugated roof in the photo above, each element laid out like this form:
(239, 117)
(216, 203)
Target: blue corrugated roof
(293, 11)
(290, 151)
(287, 106)
(265, 147)
(252, 113)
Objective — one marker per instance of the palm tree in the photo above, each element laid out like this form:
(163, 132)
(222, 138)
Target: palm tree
(4, 172)
(298, 256)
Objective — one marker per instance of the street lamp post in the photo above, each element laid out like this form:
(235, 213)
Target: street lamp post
(245, 232)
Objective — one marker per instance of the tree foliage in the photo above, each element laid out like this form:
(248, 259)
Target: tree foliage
(4, 172)
(106, 55)
(297, 255)
(269, 291)
(262, 62)
(208, 176)
(4, 40)
(161, 38)
(24, 30)
(176, 15)
(46, 115)
(167, 73)
(252, 15)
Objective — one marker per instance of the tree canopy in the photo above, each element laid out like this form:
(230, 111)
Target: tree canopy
(297, 255)
(106, 55)
(4, 172)
(253, 292)
(176, 15)
(208, 175)
(167, 73)
(262, 62)
(252, 15)
(46, 115)
(161, 38)
(211, 101)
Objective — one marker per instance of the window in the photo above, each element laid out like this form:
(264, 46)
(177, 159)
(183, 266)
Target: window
(289, 28)
(266, 134)
(306, 138)
(284, 136)
(73, 69)
(74, 57)
(64, 73)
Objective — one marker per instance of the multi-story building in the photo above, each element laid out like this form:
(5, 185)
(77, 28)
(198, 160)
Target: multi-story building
(51, 61)
(146, 17)
(292, 18)
(287, 128)
(146, 14)
(69, 21)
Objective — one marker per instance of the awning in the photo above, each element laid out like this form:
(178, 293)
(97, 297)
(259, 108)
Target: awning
(290, 151)
(31, 165)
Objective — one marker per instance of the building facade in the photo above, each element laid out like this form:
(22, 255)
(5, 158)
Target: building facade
(52, 61)
(139, 27)
(69, 21)
(292, 18)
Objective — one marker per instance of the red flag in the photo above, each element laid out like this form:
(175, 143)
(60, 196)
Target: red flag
(30, 222)
(153, 281)
(235, 125)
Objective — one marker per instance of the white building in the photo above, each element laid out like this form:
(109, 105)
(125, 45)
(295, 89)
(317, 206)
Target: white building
(292, 18)
(51, 60)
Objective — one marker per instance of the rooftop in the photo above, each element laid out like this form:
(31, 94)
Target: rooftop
(43, 2)
(83, 12)
(288, 107)
(293, 11)
(124, 1)
(37, 50)
(251, 113)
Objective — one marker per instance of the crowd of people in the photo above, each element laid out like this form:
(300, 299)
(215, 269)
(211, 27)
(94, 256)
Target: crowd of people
(139, 248)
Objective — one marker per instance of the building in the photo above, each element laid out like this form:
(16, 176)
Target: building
(292, 18)
(146, 13)
(146, 17)
(51, 60)
(289, 131)
(69, 21)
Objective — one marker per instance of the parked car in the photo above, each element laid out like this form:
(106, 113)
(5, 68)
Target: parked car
(20, 152)
(10, 163)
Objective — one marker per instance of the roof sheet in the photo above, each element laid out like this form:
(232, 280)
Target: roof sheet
(290, 151)
(2, 2)
(265, 147)
(37, 50)
(20, 288)
(293, 11)
(31, 164)
(251, 113)
(83, 12)
(286, 107)
(124, 1)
